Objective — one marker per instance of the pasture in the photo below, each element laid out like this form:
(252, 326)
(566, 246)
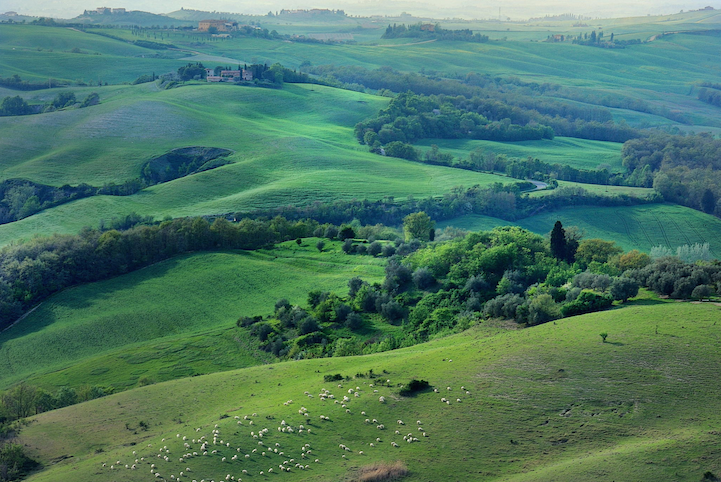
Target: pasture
(549, 401)
(292, 146)
(631, 227)
(169, 320)
(578, 153)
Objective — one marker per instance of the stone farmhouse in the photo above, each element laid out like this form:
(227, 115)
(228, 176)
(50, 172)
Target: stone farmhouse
(228, 75)
(219, 25)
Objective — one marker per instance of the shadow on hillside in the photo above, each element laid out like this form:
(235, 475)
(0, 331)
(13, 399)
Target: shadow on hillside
(615, 343)
(644, 302)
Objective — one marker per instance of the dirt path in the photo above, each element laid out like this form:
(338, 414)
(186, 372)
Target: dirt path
(539, 185)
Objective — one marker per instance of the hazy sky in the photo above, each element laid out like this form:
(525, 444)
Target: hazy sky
(515, 9)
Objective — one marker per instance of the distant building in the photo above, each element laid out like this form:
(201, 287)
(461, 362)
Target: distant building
(428, 27)
(118, 10)
(219, 25)
(228, 75)
(11, 14)
(103, 10)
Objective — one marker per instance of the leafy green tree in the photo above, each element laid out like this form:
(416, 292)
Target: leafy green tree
(14, 106)
(542, 309)
(418, 226)
(19, 401)
(622, 289)
(598, 250)
(320, 245)
(64, 99)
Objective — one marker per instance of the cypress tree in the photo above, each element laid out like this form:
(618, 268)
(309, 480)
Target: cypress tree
(558, 241)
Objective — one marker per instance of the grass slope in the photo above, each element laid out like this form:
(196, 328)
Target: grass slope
(546, 403)
(293, 146)
(578, 153)
(632, 227)
(169, 320)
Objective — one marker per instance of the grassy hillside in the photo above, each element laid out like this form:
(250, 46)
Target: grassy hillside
(169, 320)
(548, 403)
(578, 153)
(292, 146)
(634, 227)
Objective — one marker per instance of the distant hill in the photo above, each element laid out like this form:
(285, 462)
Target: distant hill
(132, 17)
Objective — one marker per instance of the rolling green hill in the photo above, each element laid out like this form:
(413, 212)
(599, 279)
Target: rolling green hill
(169, 320)
(292, 146)
(550, 402)
(578, 153)
(633, 227)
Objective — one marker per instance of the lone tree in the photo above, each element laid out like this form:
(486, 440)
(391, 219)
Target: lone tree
(708, 201)
(558, 241)
(418, 226)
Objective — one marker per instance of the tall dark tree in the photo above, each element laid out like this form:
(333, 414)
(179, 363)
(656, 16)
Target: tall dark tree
(558, 241)
(708, 201)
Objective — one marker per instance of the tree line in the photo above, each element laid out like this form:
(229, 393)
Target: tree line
(12, 106)
(494, 98)
(20, 198)
(432, 31)
(35, 269)
(498, 200)
(684, 169)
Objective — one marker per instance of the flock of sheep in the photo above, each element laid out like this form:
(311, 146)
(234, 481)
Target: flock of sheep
(171, 459)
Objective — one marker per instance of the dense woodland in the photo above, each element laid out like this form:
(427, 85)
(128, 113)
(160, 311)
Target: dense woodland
(683, 169)
(440, 288)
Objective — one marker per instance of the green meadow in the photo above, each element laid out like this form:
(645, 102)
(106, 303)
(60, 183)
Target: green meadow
(578, 153)
(550, 402)
(292, 146)
(172, 319)
(631, 227)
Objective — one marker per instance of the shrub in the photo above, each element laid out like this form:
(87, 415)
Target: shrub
(423, 278)
(623, 288)
(353, 321)
(587, 302)
(413, 387)
(332, 378)
(320, 245)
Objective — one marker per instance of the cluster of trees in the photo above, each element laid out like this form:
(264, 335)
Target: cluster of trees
(444, 287)
(494, 98)
(711, 95)
(25, 400)
(33, 270)
(20, 199)
(497, 200)
(432, 31)
(11, 106)
(684, 169)
(182, 162)
(17, 83)
(275, 74)
(597, 40)
(14, 463)
(670, 276)
(409, 117)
